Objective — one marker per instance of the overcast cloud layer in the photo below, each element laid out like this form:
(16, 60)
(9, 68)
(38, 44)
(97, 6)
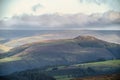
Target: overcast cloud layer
(60, 14)
(106, 21)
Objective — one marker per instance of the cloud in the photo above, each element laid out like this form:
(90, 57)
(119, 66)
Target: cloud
(36, 7)
(10, 8)
(109, 20)
(39, 7)
(113, 5)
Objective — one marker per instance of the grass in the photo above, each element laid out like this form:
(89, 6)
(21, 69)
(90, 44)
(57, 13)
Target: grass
(64, 77)
(8, 59)
(98, 66)
(101, 66)
(4, 48)
(112, 63)
(68, 73)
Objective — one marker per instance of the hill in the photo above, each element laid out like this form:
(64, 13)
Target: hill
(81, 49)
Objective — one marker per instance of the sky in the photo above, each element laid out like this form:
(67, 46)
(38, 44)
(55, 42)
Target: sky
(60, 14)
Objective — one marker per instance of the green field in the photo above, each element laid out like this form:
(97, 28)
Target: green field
(97, 66)
(69, 72)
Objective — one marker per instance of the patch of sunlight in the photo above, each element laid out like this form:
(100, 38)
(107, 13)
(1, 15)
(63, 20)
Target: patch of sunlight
(4, 48)
(8, 59)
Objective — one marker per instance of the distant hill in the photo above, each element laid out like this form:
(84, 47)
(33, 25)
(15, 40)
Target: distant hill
(81, 49)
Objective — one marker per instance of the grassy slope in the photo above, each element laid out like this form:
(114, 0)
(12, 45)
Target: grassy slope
(97, 66)
(69, 72)
(109, 63)
(112, 63)
(9, 59)
(4, 48)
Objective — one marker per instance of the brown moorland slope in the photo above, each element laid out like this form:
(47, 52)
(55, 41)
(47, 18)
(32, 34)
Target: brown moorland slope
(102, 77)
